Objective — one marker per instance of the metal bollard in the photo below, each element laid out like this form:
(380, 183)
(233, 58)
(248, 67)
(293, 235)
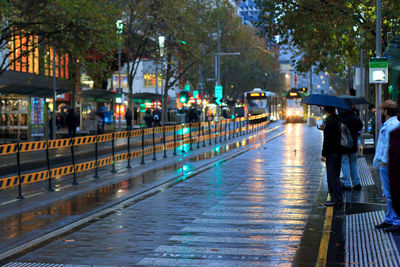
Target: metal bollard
(247, 126)
(190, 136)
(174, 140)
(209, 132)
(142, 162)
(48, 167)
(154, 145)
(96, 155)
(74, 182)
(20, 196)
(204, 139)
(198, 136)
(113, 152)
(165, 145)
(129, 150)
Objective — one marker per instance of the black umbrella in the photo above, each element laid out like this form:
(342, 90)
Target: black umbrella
(354, 100)
(325, 101)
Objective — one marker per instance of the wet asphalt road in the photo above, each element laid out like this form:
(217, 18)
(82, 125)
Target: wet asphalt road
(247, 211)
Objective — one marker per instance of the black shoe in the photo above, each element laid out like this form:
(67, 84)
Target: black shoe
(357, 187)
(338, 203)
(383, 225)
(333, 203)
(392, 228)
(345, 188)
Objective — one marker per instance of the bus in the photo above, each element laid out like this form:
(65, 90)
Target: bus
(258, 102)
(295, 111)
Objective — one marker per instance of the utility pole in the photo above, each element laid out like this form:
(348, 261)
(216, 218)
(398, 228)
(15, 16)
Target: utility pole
(201, 90)
(378, 54)
(53, 123)
(119, 87)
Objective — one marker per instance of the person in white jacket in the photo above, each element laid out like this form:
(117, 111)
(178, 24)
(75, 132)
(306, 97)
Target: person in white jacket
(381, 159)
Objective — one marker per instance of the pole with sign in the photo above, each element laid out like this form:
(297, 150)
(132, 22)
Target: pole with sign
(218, 93)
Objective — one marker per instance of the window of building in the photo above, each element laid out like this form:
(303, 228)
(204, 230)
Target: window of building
(150, 80)
(24, 53)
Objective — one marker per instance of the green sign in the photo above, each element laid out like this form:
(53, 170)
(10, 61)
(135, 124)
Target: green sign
(119, 99)
(381, 62)
(120, 26)
(142, 107)
(187, 87)
(195, 93)
(218, 93)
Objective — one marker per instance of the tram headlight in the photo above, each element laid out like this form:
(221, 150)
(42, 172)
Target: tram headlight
(297, 112)
(289, 113)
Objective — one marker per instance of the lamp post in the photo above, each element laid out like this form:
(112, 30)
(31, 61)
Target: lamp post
(265, 80)
(161, 43)
(378, 54)
(119, 31)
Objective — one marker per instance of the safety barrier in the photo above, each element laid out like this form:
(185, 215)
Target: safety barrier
(203, 133)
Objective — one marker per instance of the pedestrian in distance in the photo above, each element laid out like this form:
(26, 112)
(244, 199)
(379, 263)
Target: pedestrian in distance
(156, 118)
(381, 160)
(100, 121)
(72, 123)
(394, 168)
(331, 155)
(148, 119)
(371, 118)
(128, 119)
(349, 156)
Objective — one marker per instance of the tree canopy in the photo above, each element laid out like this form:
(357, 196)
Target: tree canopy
(327, 34)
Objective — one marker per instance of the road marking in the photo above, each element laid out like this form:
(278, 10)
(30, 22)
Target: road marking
(200, 262)
(243, 222)
(323, 247)
(272, 240)
(273, 215)
(241, 230)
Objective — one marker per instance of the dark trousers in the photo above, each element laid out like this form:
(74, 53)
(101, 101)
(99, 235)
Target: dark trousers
(333, 164)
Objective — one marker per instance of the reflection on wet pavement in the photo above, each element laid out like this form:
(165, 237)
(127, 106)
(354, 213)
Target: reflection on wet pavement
(249, 210)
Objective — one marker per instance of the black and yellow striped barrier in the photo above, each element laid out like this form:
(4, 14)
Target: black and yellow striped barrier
(196, 136)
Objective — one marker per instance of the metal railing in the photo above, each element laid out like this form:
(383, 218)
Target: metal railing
(178, 135)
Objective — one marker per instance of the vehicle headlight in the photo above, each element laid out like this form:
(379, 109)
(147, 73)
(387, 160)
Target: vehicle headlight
(297, 112)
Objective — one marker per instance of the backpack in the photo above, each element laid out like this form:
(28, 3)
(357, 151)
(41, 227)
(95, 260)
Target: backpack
(346, 140)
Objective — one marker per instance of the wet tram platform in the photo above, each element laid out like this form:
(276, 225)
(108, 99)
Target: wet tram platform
(256, 200)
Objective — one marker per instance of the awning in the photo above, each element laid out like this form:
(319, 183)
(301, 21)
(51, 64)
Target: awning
(392, 52)
(30, 90)
(147, 96)
(97, 93)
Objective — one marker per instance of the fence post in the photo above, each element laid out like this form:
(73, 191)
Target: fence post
(74, 182)
(154, 145)
(183, 140)
(113, 151)
(226, 123)
(165, 145)
(204, 139)
(142, 162)
(129, 150)
(229, 130)
(96, 155)
(209, 132)
(190, 136)
(48, 166)
(174, 140)
(247, 125)
(215, 131)
(220, 131)
(198, 136)
(20, 196)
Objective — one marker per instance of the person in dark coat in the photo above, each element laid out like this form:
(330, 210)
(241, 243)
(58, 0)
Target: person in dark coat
(331, 155)
(148, 119)
(349, 157)
(128, 118)
(156, 118)
(394, 168)
(72, 123)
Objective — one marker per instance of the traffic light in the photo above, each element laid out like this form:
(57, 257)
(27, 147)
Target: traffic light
(304, 89)
(184, 97)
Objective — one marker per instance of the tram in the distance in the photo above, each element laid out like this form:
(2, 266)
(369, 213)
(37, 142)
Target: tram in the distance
(258, 102)
(294, 110)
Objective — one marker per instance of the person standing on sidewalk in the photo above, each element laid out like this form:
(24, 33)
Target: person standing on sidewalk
(128, 118)
(72, 123)
(394, 168)
(349, 158)
(331, 155)
(381, 160)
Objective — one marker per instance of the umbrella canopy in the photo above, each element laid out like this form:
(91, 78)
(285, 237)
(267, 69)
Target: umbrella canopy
(354, 100)
(325, 101)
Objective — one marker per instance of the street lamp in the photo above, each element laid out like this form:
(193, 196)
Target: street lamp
(265, 79)
(161, 43)
(119, 32)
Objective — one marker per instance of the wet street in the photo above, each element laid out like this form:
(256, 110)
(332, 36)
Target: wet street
(248, 210)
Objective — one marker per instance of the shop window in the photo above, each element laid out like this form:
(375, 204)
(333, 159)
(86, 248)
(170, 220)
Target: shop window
(150, 80)
(24, 53)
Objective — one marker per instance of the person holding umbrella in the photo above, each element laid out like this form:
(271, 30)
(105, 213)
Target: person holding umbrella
(331, 148)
